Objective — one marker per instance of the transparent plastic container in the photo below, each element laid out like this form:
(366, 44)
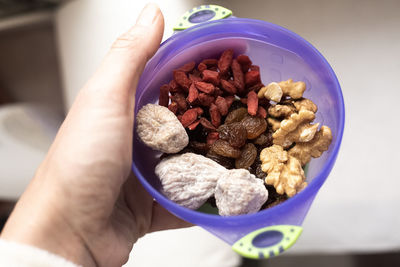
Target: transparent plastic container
(281, 54)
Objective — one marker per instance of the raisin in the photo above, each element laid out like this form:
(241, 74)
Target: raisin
(247, 157)
(259, 172)
(221, 160)
(199, 147)
(234, 133)
(236, 115)
(254, 126)
(223, 148)
(264, 139)
(273, 198)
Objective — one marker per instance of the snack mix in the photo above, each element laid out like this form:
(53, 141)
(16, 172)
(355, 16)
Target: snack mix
(229, 139)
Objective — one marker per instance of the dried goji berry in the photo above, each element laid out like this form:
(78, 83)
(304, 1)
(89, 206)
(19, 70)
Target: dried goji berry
(222, 106)
(202, 67)
(243, 100)
(255, 67)
(212, 137)
(252, 77)
(194, 78)
(209, 62)
(256, 87)
(229, 100)
(174, 87)
(193, 125)
(261, 112)
(163, 99)
(218, 92)
(225, 61)
(207, 124)
(181, 79)
(193, 94)
(181, 101)
(252, 103)
(188, 67)
(188, 117)
(215, 115)
(207, 88)
(205, 100)
(211, 76)
(237, 76)
(244, 62)
(228, 87)
(173, 107)
(199, 110)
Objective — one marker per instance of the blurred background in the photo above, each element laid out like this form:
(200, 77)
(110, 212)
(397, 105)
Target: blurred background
(49, 48)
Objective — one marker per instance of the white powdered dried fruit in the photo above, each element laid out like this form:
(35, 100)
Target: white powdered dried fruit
(160, 129)
(189, 179)
(239, 192)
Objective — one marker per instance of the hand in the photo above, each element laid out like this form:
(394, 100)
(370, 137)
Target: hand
(83, 203)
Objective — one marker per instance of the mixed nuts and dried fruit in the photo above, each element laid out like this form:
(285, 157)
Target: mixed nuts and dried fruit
(230, 139)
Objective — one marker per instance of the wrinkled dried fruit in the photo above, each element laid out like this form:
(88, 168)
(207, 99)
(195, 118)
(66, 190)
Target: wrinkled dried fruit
(173, 107)
(261, 112)
(247, 157)
(223, 148)
(236, 115)
(229, 100)
(239, 192)
(224, 161)
(174, 87)
(194, 78)
(238, 77)
(218, 92)
(252, 77)
(244, 62)
(222, 106)
(264, 140)
(215, 115)
(163, 99)
(207, 88)
(254, 126)
(181, 101)
(193, 94)
(210, 62)
(211, 77)
(212, 137)
(205, 100)
(181, 78)
(202, 67)
(234, 133)
(252, 103)
(189, 117)
(228, 87)
(189, 179)
(207, 125)
(160, 129)
(199, 147)
(188, 67)
(193, 125)
(225, 61)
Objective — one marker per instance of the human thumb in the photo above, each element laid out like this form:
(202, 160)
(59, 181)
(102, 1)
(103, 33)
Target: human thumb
(124, 63)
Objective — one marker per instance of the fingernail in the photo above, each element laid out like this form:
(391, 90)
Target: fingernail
(148, 15)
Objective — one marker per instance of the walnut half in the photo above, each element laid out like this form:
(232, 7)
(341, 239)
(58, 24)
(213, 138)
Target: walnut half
(320, 143)
(283, 172)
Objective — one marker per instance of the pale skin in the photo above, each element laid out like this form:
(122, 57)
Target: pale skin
(84, 203)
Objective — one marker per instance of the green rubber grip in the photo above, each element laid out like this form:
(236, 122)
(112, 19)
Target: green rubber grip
(201, 14)
(267, 242)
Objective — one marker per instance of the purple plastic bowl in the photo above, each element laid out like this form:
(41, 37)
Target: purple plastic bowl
(281, 54)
